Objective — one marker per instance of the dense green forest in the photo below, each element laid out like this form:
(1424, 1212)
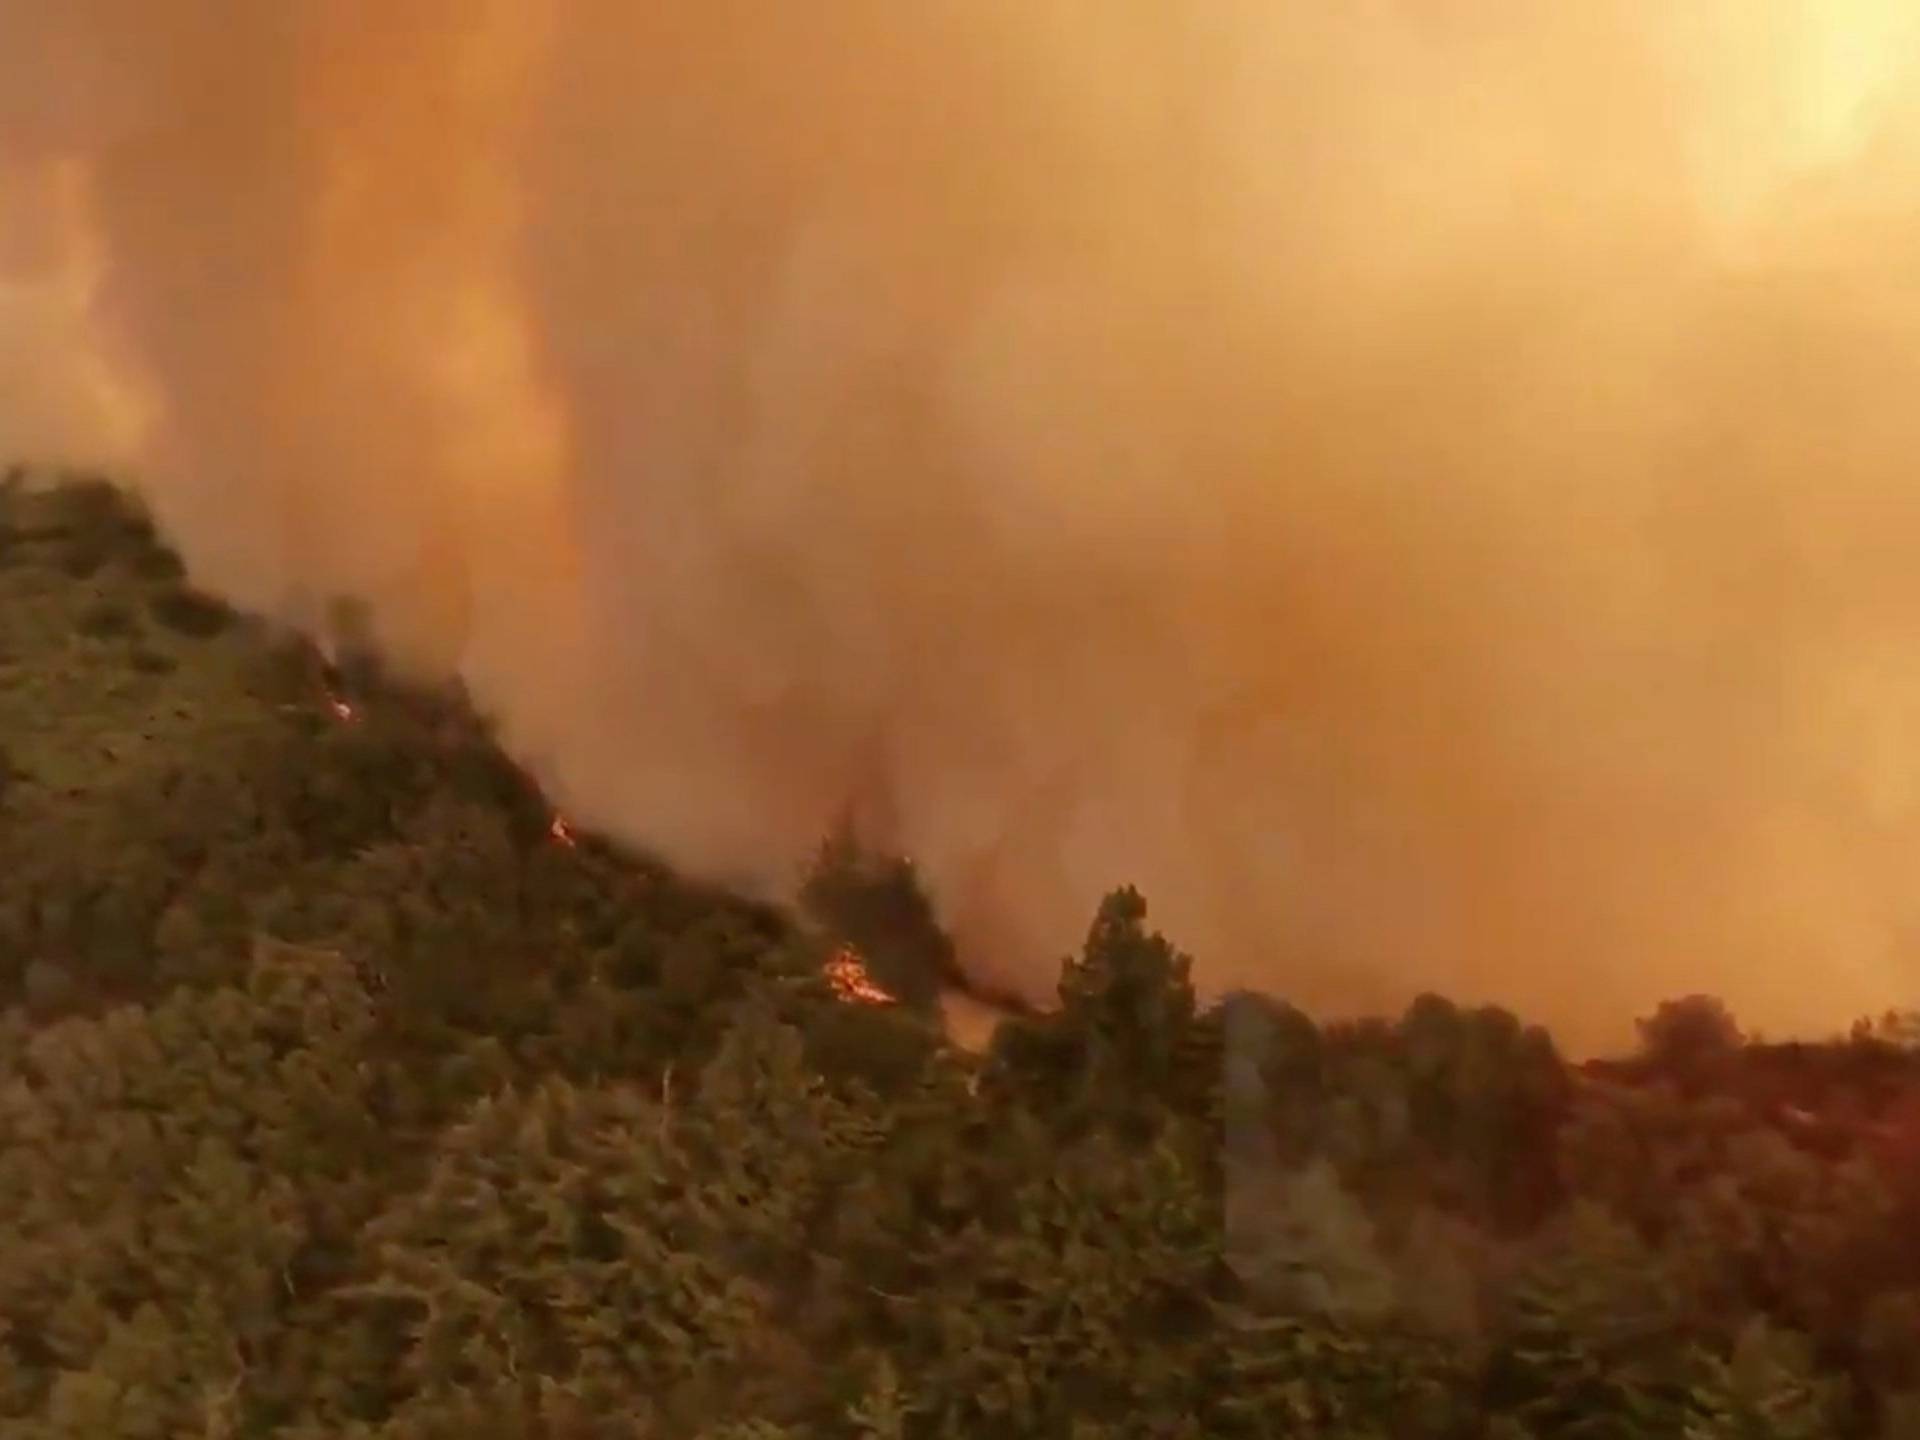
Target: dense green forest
(343, 1096)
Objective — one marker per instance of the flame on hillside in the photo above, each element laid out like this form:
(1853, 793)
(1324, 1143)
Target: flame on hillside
(341, 709)
(847, 973)
(561, 832)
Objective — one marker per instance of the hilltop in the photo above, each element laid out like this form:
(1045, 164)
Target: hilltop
(346, 1090)
(182, 779)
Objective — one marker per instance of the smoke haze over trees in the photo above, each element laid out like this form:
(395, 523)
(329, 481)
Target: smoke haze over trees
(343, 1095)
(1421, 489)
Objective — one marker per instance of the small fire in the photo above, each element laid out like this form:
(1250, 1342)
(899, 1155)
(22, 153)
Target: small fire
(561, 832)
(341, 709)
(846, 972)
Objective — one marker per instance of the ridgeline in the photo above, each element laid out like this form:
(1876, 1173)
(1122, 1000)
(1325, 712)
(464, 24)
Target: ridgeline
(342, 1094)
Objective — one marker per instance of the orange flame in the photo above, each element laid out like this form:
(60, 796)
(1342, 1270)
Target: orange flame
(846, 972)
(561, 832)
(341, 709)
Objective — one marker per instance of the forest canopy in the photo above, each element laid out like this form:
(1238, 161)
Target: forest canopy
(343, 1092)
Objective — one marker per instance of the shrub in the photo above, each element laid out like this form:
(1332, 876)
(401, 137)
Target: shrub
(191, 612)
(85, 554)
(158, 562)
(283, 672)
(633, 962)
(1684, 1035)
(690, 972)
(50, 988)
(105, 618)
(877, 905)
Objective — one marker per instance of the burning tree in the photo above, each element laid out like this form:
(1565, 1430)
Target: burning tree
(875, 910)
(847, 973)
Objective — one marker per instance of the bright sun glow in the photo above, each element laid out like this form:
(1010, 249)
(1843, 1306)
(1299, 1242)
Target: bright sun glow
(1856, 55)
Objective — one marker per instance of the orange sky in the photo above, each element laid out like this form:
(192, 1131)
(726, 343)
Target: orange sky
(1420, 488)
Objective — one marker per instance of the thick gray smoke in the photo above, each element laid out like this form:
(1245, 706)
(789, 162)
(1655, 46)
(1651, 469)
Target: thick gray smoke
(1423, 489)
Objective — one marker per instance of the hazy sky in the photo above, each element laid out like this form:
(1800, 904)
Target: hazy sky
(1423, 489)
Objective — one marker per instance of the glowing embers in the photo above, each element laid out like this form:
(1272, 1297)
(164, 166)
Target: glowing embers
(558, 830)
(847, 973)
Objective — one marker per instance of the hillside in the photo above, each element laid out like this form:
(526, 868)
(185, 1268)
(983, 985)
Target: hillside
(345, 1090)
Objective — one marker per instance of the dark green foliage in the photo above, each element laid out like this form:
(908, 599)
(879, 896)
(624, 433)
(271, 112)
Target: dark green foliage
(106, 618)
(188, 1122)
(635, 960)
(1593, 1336)
(84, 555)
(286, 671)
(49, 989)
(80, 526)
(884, 1049)
(1690, 1033)
(81, 506)
(337, 1098)
(190, 612)
(158, 563)
(1124, 1048)
(1286, 1375)
(876, 904)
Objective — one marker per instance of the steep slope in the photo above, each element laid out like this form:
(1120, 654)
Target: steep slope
(345, 1091)
(181, 779)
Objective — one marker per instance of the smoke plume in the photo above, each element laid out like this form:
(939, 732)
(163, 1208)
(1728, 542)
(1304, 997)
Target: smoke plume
(1422, 488)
